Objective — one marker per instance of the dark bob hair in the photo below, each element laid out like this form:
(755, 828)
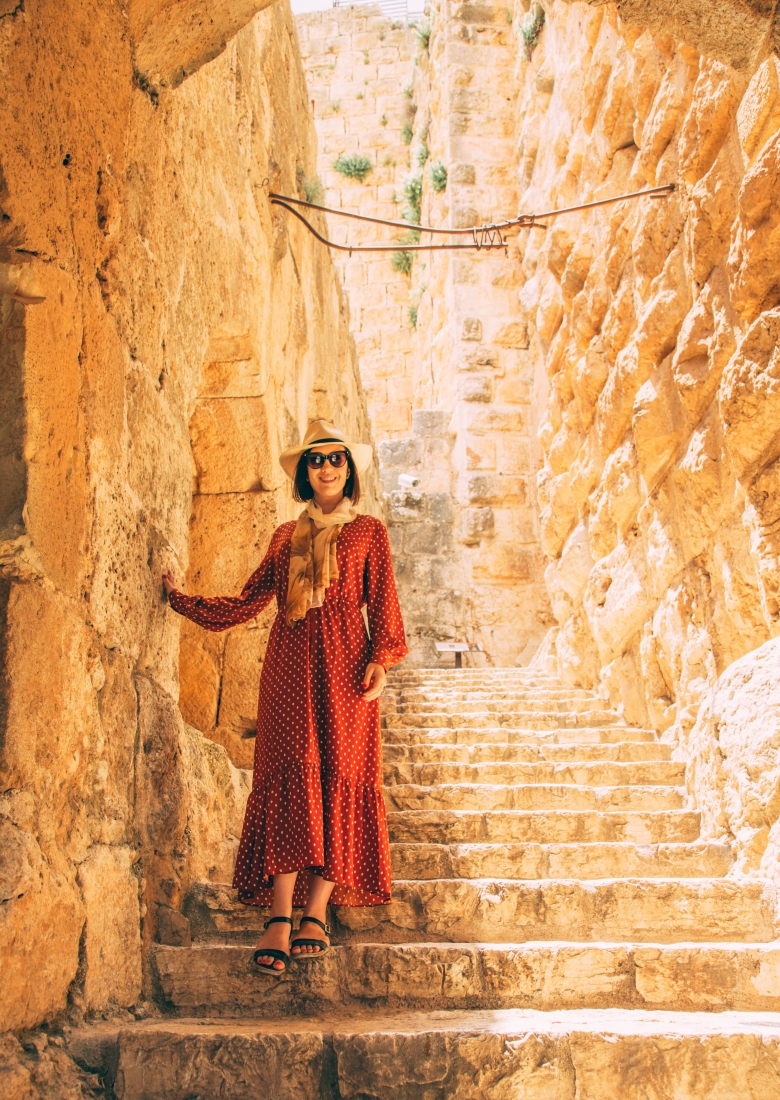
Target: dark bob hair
(302, 489)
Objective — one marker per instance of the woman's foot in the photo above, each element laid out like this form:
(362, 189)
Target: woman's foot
(277, 938)
(309, 930)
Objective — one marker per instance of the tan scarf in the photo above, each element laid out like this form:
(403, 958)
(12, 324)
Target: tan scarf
(313, 557)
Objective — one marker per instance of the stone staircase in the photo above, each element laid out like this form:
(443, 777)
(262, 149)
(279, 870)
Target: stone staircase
(558, 932)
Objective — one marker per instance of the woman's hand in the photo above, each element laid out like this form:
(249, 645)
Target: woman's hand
(373, 682)
(169, 583)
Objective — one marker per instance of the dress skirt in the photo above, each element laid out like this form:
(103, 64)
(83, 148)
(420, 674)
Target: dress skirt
(316, 800)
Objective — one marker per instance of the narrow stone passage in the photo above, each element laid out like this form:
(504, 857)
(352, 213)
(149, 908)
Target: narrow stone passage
(559, 930)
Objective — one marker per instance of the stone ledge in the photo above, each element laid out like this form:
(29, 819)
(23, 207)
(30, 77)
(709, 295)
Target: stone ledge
(539, 975)
(461, 1055)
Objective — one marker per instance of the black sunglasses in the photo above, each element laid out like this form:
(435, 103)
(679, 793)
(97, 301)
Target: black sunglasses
(316, 460)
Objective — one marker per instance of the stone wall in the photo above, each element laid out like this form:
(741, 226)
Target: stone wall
(359, 73)
(654, 324)
(187, 333)
(450, 400)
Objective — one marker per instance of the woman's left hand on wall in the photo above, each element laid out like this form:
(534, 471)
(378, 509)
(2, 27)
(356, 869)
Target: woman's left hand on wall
(373, 681)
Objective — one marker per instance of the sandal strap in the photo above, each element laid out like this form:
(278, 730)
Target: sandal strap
(272, 952)
(279, 920)
(313, 920)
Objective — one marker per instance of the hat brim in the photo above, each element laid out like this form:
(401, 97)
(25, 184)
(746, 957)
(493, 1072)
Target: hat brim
(361, 453)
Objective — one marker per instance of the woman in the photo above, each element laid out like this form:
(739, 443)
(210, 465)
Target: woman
(316, 804)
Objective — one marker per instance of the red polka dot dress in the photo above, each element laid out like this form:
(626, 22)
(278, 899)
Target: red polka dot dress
(316, 798)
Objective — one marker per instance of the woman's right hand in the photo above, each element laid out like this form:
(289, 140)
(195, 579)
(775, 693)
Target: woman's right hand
(169, 583)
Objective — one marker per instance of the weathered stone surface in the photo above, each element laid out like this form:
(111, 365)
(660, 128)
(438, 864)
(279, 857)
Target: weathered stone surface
(40, 1069)
(502, 911)
(450, 976)
(464, 1055)
(112, 942)
(736, 768)
(656, 327)
(176, 323)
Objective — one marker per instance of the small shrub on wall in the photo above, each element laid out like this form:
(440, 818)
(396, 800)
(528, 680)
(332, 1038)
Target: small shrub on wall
(438, 171)
(354, 166)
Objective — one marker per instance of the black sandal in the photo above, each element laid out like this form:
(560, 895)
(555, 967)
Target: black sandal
(323, 947)
(274, 952)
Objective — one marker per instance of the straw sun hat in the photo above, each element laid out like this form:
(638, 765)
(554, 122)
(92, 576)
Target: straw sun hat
(322, 431)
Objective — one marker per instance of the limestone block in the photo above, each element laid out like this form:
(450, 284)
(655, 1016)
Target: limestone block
(478, 523)
(662, 122)
(755, 280)
(40, 929)
(559, 517)
(615, 503)
(733, 744)
(587, 381)
(221, 565)
(200, 669)
(171, 44)
(658, 424)
(716, 97)
(577, 657)
(748, 396)
(757, 112)
(230, 446)
(704, 346)
(112, 944)
(500, 561)
(700, 480)
(241, 667)
(256, 1064)
(618, 597)
(567, 577)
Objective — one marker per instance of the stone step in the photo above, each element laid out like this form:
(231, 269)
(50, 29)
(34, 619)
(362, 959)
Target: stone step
(221, 980)
(503, 706)
(452, 698)
(621, 751)
(530, 720)
(543, 827)
(536, 796)
(485, 735)
(585, 773)
(611, 1054)
(553, 861)
(508, 911)
(494, 910)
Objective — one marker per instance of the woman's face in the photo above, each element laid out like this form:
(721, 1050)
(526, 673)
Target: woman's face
(328, 482)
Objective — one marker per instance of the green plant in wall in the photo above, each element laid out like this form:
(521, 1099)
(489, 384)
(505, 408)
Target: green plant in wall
(313, 189)
(407, 133)
(412, 192)
(383, 120)
(422, 32)
(354, 166)
(438, 174)
(422, 152)
(402, 261)
(336, 106)
(531, 29)
(411, 314)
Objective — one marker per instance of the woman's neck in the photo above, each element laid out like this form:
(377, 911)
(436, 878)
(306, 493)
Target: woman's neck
(327, 504)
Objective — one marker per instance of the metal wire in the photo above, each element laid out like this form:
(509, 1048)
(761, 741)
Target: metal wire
(482, 236)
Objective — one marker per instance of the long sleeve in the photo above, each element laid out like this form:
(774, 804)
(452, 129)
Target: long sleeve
(388, 641)
(221, 612)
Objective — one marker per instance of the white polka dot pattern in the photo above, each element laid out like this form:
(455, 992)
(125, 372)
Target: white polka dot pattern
(316, 799)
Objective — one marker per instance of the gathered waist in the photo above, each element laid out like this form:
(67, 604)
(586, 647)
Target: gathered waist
(329, 601)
